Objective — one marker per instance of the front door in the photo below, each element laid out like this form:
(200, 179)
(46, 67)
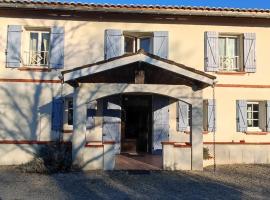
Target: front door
(136, 124)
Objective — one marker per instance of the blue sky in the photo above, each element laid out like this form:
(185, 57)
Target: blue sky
(213, 3)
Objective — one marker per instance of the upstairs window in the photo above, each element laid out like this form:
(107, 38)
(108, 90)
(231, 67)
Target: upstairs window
(37, 48)
(118, 42)
(30, 47)
(135, 41)
(229, 53)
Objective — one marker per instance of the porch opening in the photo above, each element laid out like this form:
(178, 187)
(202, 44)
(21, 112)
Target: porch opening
(136, 126)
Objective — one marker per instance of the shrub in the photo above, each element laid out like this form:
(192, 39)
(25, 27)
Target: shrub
(206, 154)
(50, 158)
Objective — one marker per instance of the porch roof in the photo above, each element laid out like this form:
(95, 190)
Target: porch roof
(76, 73)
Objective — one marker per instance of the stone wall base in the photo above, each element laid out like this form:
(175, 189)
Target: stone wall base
(238, 154)
(99, 156)
(176, 156)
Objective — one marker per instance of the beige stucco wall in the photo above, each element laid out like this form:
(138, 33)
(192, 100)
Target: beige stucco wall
(226, 113)
(26, 111)
(84, 41)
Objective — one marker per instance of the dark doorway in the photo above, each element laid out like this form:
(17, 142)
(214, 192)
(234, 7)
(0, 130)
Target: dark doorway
(136, 131)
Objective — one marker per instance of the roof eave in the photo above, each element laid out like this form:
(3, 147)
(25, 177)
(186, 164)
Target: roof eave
(79, 72)
(216, 13)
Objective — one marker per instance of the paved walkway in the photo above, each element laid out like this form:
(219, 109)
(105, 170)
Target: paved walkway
(229, 182)
(138, 162)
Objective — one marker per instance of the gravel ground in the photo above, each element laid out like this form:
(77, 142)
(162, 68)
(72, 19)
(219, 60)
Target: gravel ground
(229, 182)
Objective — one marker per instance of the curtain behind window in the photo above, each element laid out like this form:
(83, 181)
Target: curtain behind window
(33, 48)
(45, 48)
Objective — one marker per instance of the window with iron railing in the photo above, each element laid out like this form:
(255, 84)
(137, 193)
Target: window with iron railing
(37, 48)
(229, 53)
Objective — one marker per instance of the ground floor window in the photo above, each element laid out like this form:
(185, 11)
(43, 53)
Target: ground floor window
(68, 115)
(253, 114)
(256, 116)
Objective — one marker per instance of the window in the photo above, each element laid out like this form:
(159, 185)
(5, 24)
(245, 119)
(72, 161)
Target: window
(135, 41)
(183, 116)
(253, 114)
(229, 53)
(36, 48)
(129, 45)
(189, 118)
(70, 112)
(145, 44)
(256, 116)
(209, 115)
(68, 119)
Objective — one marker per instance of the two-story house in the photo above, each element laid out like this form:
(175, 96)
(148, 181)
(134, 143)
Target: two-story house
(173, 81)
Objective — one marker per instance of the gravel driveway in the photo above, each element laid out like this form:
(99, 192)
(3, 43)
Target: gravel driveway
(229, 182)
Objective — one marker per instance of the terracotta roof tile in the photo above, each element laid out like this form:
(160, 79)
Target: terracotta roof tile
(71, 5)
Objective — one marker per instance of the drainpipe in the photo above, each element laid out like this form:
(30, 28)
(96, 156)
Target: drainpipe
(214, 132)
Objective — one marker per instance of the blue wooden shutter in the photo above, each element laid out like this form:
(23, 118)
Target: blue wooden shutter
(250, 52)
(57, 41)
(211, 63)
(161, 44)
(160, 122)
(113, 43)
(57, 114)
(211, 115)
(241, 115)
(268, 116)
(182, 116)
(111, 129)
(91, 114)
(14, 46)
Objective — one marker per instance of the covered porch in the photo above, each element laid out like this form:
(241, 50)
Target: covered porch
(137, 104)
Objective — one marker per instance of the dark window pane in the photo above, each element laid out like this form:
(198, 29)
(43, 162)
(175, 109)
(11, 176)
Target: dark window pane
(255, 107)
(145, 44)
(255, 123)
(70, 112)
(255, 115)
(129, 45)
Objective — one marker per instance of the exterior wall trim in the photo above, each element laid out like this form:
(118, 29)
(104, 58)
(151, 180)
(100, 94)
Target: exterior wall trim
(94, 145)
(242, 86)
(177, 144)
(67, 131)
(232, 73)
(35, 69)
(30, 142)
(7, 80)
(238, 143)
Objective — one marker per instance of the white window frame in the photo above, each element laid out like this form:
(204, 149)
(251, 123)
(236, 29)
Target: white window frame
(238, 57)
(260, 117)
(26, 45)
(189, 118)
